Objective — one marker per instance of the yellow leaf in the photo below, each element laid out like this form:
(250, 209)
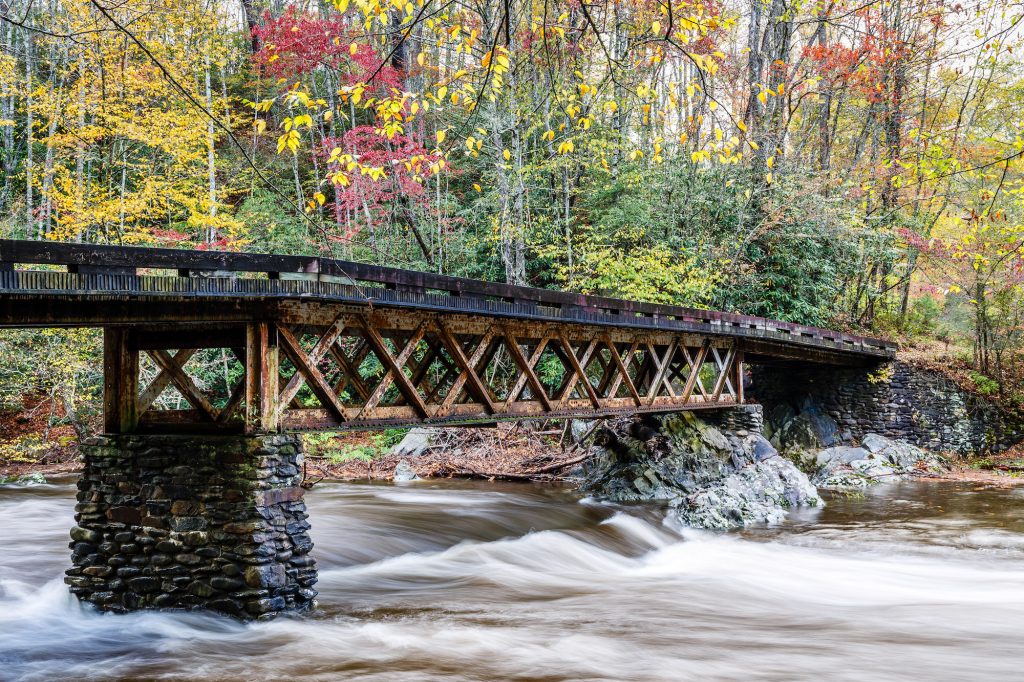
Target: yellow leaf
(741, 125)
(421, 58)
(477, 187)
(341, 5)
(763, 97)
(656, 27)
(440, 136)
(260, 126)
(507, 154)
(353, 48)
(319, 198)
(768, 178)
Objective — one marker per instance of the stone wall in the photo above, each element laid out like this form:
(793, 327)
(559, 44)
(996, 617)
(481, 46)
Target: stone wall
(193, 522)
(895, 400)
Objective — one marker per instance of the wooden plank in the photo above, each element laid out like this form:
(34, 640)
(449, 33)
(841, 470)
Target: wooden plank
(262, 377)
(738, 364)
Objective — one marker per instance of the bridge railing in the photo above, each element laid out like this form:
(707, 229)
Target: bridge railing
(117, 269)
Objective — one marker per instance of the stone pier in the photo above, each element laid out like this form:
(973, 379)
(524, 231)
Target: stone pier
(193, 522)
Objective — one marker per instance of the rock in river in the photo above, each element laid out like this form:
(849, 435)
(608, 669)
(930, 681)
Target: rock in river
(711, 476)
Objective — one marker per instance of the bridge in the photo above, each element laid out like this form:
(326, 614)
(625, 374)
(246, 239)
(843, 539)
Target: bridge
(197, 502)
(318, 343)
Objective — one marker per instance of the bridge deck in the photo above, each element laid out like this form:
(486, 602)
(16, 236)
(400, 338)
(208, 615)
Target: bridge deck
(364, 345)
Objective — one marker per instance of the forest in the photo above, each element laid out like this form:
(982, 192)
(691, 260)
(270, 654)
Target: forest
(843, 164)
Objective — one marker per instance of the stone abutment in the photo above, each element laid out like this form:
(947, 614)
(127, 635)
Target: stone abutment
(895, 399)
(187, 522)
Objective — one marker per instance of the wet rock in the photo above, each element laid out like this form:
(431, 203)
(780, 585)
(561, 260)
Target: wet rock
(404, 472)
(878, 459)
(841, 454)
(415, 443)
(709, 474)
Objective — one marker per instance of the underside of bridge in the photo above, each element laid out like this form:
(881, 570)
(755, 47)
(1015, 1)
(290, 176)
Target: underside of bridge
(193, 497)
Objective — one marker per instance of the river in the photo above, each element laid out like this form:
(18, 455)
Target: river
(470, 581)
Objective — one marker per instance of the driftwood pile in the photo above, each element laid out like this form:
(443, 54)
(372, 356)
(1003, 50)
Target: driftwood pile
(512, 452)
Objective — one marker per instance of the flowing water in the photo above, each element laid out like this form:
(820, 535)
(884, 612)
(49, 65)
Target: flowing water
(466, 581)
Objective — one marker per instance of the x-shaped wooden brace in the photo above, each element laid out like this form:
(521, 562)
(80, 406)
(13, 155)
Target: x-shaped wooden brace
(661, 366)
(527, 372)
(393, 366)
(576, 365)
(695, 363)
(307, 370)
(350, 369)
(172, 372)
(622, 376)
(468, 366)
(724, 365)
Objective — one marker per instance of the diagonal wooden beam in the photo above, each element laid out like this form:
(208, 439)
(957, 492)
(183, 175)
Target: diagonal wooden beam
(163, 380)
(526, 372)
(662, 369)
(313, 377)
(468, 367)
(577, 367)
(323, 345)
(350, 374)
(183, 382)
(517, 388)
(609, 370)
(723, 367)
(695, 365)
(394, 365)
(623, 364)
(231, 408)
(623, 375)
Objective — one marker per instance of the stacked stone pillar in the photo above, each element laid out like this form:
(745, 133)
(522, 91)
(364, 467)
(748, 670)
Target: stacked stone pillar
(188, 522)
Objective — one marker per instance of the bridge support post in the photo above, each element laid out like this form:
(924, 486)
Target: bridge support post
(211, 522)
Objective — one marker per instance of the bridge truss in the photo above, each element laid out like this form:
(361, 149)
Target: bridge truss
(357, 369)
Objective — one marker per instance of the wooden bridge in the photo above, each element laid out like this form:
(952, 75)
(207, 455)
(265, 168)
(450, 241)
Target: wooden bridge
(314, 343)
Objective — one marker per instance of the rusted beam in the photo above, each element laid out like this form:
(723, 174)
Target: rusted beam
(262, 378)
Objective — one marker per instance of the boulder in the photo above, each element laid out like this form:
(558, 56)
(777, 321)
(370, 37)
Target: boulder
(404, 472)
(840, 454)
(709, 475)
(415, 443)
